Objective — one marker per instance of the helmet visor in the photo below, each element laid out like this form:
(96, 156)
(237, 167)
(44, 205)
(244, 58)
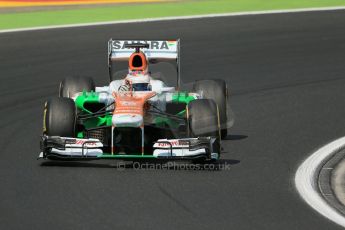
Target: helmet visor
(141, 87)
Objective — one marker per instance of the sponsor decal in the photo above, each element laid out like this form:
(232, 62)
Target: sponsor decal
(171, 43)
(81, 142)
(173, 143)
(153, 45)
(129, 103)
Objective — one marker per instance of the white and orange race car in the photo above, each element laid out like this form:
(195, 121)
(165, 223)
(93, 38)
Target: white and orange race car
(141, 114)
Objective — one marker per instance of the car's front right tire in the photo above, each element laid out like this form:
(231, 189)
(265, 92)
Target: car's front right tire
(75, 84)
(59, 117)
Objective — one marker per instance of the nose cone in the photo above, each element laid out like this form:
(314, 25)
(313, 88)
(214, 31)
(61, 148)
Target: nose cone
(127, 120)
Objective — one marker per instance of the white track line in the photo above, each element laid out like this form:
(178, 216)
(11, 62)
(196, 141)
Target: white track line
(178, 18)
(305, 181)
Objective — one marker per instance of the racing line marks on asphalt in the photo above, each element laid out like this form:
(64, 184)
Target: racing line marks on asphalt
(305, 181)
(317, 9)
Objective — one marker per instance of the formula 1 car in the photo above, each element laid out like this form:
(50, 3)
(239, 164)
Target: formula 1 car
(141, 114)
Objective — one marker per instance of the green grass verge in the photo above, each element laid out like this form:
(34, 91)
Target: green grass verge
(123, 12)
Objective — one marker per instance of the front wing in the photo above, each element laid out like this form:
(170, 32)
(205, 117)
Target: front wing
(65, 148)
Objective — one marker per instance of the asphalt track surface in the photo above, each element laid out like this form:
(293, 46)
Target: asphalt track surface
(287, 79)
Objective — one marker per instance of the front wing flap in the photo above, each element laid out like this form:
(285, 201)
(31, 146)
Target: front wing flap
(187, 147)
(70, 147)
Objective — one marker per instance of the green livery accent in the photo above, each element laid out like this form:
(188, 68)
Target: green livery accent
(98, 121)
(86, 97)
(117, 156)
(85, 100)
(182, 97)
(91, 98)
(182, 113)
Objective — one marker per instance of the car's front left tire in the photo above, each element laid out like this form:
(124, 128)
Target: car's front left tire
(203, 121)
(215, 89)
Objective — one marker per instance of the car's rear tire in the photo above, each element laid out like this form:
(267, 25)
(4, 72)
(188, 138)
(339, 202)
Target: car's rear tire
(216, 90)
(72, 85)
(203, 120)
(59, 117)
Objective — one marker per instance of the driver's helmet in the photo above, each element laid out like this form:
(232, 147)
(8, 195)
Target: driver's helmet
(138, 81)
(138, 76)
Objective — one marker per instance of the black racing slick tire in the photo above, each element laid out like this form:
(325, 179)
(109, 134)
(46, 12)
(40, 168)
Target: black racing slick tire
(216, 90)
(59, 117)
(203, 120)
(72, 85)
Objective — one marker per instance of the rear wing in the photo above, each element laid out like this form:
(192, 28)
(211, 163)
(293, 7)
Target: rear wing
(157, 51)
